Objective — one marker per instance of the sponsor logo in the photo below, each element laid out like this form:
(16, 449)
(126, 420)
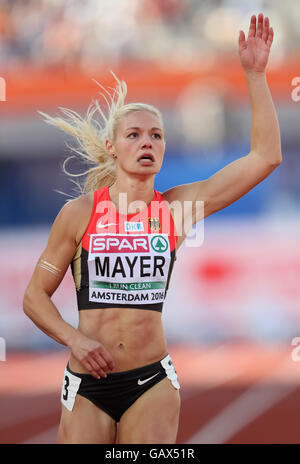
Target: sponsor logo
(119, 244)
(133, 226)
(154, 223)
(159, 244)
(101, 226)
(141, 382)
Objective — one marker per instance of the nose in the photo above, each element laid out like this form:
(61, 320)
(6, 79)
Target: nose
(146, 142)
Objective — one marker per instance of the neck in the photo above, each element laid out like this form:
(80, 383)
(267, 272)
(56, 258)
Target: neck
(133, 190)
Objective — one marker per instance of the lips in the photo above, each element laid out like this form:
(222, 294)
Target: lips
(147, 157)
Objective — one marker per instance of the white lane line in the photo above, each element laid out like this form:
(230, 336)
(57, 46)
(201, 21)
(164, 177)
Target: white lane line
(213, 357)
(242, 411)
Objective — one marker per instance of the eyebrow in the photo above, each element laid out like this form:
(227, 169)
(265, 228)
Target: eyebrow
(152, 128)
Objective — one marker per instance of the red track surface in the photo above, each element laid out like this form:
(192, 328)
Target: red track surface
(231, 393)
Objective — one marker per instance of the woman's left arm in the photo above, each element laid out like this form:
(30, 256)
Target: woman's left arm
(237, 178)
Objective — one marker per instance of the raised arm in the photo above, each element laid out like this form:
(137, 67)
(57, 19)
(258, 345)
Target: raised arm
(48, 274)
(240, 176)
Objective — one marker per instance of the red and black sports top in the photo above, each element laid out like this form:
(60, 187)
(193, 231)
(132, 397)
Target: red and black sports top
(125, 260)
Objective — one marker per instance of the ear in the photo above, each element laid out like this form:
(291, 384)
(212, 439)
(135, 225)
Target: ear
(110, 148)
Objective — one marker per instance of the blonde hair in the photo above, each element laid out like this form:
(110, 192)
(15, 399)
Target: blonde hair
(91, 135)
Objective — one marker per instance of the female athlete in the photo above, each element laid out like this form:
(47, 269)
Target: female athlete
(122, 253)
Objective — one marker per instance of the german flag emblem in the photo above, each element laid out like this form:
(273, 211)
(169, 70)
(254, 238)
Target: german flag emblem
(154, 223)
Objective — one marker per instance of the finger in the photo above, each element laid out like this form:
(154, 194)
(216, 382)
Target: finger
(242, 41)
(94, 369)
(252, 27)
(270, 37)
(89, 368)
(100, 361)
(259, 29)
(265, 30)
(107, 358)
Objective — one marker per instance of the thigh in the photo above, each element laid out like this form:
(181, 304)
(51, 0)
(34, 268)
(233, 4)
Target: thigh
(153, 417)
(86, 423)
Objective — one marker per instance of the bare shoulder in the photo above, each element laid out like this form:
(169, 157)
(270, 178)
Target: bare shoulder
(62, 243)
(74, 216)
(77, 204)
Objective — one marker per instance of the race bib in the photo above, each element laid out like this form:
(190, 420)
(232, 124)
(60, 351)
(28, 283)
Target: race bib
(69, 389)
(127, 268)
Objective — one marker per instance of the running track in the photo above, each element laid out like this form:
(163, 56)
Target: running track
(231, 393)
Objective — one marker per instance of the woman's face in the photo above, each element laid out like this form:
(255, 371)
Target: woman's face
(139, 144)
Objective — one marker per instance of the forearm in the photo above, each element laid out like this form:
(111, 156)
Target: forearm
(41, 310)
(265, 132)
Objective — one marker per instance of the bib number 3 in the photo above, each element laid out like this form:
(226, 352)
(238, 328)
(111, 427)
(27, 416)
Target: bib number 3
(66, 391)
(70, 386)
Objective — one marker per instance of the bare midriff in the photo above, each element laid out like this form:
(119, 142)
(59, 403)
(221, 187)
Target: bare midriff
(133, 337)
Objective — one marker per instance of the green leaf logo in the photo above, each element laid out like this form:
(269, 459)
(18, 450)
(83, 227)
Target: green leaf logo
(159, 244)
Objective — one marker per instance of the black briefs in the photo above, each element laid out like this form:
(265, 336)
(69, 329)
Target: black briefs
(119, 390)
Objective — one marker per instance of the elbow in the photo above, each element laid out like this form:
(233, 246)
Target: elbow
(278, 159)
(270, 158)
(277, 153)
(28, 302)
(277, 162)
(273, 155)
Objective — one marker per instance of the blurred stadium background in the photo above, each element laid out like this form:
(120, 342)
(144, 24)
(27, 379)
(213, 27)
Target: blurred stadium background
(234, 302)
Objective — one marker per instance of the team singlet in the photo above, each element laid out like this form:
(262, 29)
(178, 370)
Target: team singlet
(125, 260)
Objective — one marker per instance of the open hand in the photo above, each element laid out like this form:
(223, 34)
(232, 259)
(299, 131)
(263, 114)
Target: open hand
(254, 52)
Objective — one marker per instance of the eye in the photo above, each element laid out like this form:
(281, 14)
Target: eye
(132, 133)
(156, 136)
